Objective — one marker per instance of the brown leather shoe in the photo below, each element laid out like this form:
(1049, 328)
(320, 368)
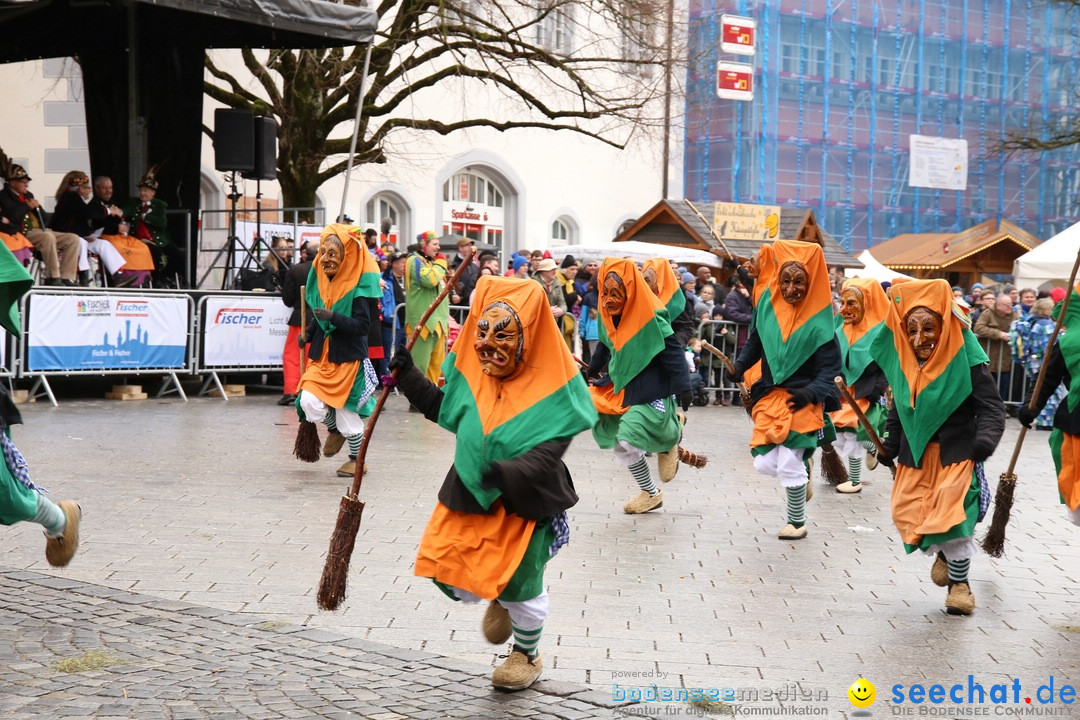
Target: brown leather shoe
(643, 503)
(959, 601)
(939, 573)
(517, 672)
(334, 441)
(496, 625)
(59, 551)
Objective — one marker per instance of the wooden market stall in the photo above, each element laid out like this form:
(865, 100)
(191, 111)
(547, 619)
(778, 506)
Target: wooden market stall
(743, 227)
(989, 248)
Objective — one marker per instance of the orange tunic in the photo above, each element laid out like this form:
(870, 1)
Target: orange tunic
(16, 242)
(930, 500)
(330, 382)
(1068, 478)
(774, 420)
(607, 401)
(136, 253)
(845, 417)
(477, 553)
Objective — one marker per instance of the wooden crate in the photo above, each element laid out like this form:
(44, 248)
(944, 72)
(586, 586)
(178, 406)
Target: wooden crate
(230, 391)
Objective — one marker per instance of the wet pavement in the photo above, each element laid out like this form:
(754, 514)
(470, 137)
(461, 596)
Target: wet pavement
(193, 593)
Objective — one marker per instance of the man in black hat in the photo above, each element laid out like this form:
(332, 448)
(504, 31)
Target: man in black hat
(149, 222)
(21, 213)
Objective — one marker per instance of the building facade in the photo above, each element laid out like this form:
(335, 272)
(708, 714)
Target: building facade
(520, 188)
(842, 85)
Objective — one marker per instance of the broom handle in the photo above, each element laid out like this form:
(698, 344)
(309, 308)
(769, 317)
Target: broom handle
(303, 326)
(862, 419)
(1045, 361)
(727, 363)
(358, 474)
(712, 230)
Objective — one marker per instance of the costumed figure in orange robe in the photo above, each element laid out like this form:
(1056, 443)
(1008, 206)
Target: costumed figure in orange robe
(514, 398)
(946, 419)
(793, 339)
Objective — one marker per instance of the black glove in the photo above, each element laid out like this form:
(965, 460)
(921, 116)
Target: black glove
(686, 398)
(885, 458)
(301, 340)
(800, 398)
(740, 370)
(981, 452)
(402, 361)
(1026, 415)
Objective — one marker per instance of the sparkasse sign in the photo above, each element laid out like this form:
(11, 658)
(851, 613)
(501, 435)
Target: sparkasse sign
(734, 81)
(737, 34)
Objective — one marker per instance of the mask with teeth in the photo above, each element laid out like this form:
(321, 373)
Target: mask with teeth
(499, 340)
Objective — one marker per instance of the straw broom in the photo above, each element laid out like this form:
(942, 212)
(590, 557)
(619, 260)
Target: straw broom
(870, 432)
(994, 541)
(306, 447)
(335, 573)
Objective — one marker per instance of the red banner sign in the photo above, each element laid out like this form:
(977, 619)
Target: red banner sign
(735, 81)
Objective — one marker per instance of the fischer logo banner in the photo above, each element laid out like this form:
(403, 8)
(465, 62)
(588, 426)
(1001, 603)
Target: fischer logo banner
(244, 331)
(92, 332)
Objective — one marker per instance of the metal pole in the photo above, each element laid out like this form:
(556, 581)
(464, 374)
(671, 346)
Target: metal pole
(667, 95)
(356, 130)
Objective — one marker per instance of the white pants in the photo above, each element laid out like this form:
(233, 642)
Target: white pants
(955, 549)
(109, 255)
(525, 615)
(627, 454)
(315, 410)
(847, 444)
(784, 463)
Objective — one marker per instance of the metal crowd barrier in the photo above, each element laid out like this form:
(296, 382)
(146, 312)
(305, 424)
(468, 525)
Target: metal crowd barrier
(1012, 378)
(724, 336)
(85, 308)
(254, 313)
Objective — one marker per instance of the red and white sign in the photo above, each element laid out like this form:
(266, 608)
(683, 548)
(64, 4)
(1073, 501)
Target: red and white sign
(737, 34)
(734, 81)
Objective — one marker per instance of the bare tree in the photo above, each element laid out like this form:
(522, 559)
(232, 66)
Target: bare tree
(594, 68)
(1058, 132)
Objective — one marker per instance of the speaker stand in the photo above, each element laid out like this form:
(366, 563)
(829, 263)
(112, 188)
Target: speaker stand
(229, 248)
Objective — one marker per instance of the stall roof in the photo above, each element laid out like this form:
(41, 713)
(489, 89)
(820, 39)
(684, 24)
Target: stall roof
(671, 222)
(56, 28)
(938, 251)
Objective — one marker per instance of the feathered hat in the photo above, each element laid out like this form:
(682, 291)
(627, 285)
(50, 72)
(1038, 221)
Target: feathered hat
(149, 180)
(10, 171)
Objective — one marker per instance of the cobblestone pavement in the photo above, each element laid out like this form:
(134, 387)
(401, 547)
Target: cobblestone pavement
(202, 504)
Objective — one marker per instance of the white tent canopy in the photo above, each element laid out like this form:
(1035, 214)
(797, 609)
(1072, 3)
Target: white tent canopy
(873, 269)
(1049, 264)
(636, 250)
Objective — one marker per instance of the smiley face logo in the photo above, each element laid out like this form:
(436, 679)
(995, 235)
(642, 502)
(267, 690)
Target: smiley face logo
(862, 693)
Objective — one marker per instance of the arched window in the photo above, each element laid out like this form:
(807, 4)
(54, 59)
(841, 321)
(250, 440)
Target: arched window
(559, 232)
(473, 208)
(386, 208)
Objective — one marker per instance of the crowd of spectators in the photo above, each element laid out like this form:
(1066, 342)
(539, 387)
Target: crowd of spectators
(131, 243)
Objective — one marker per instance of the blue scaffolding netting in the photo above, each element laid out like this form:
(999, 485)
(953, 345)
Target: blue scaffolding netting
(841, 85)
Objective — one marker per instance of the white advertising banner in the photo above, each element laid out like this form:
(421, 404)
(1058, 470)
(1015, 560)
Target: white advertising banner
(103, 332)
(244, 331)
(247, 232)
(938, 162)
